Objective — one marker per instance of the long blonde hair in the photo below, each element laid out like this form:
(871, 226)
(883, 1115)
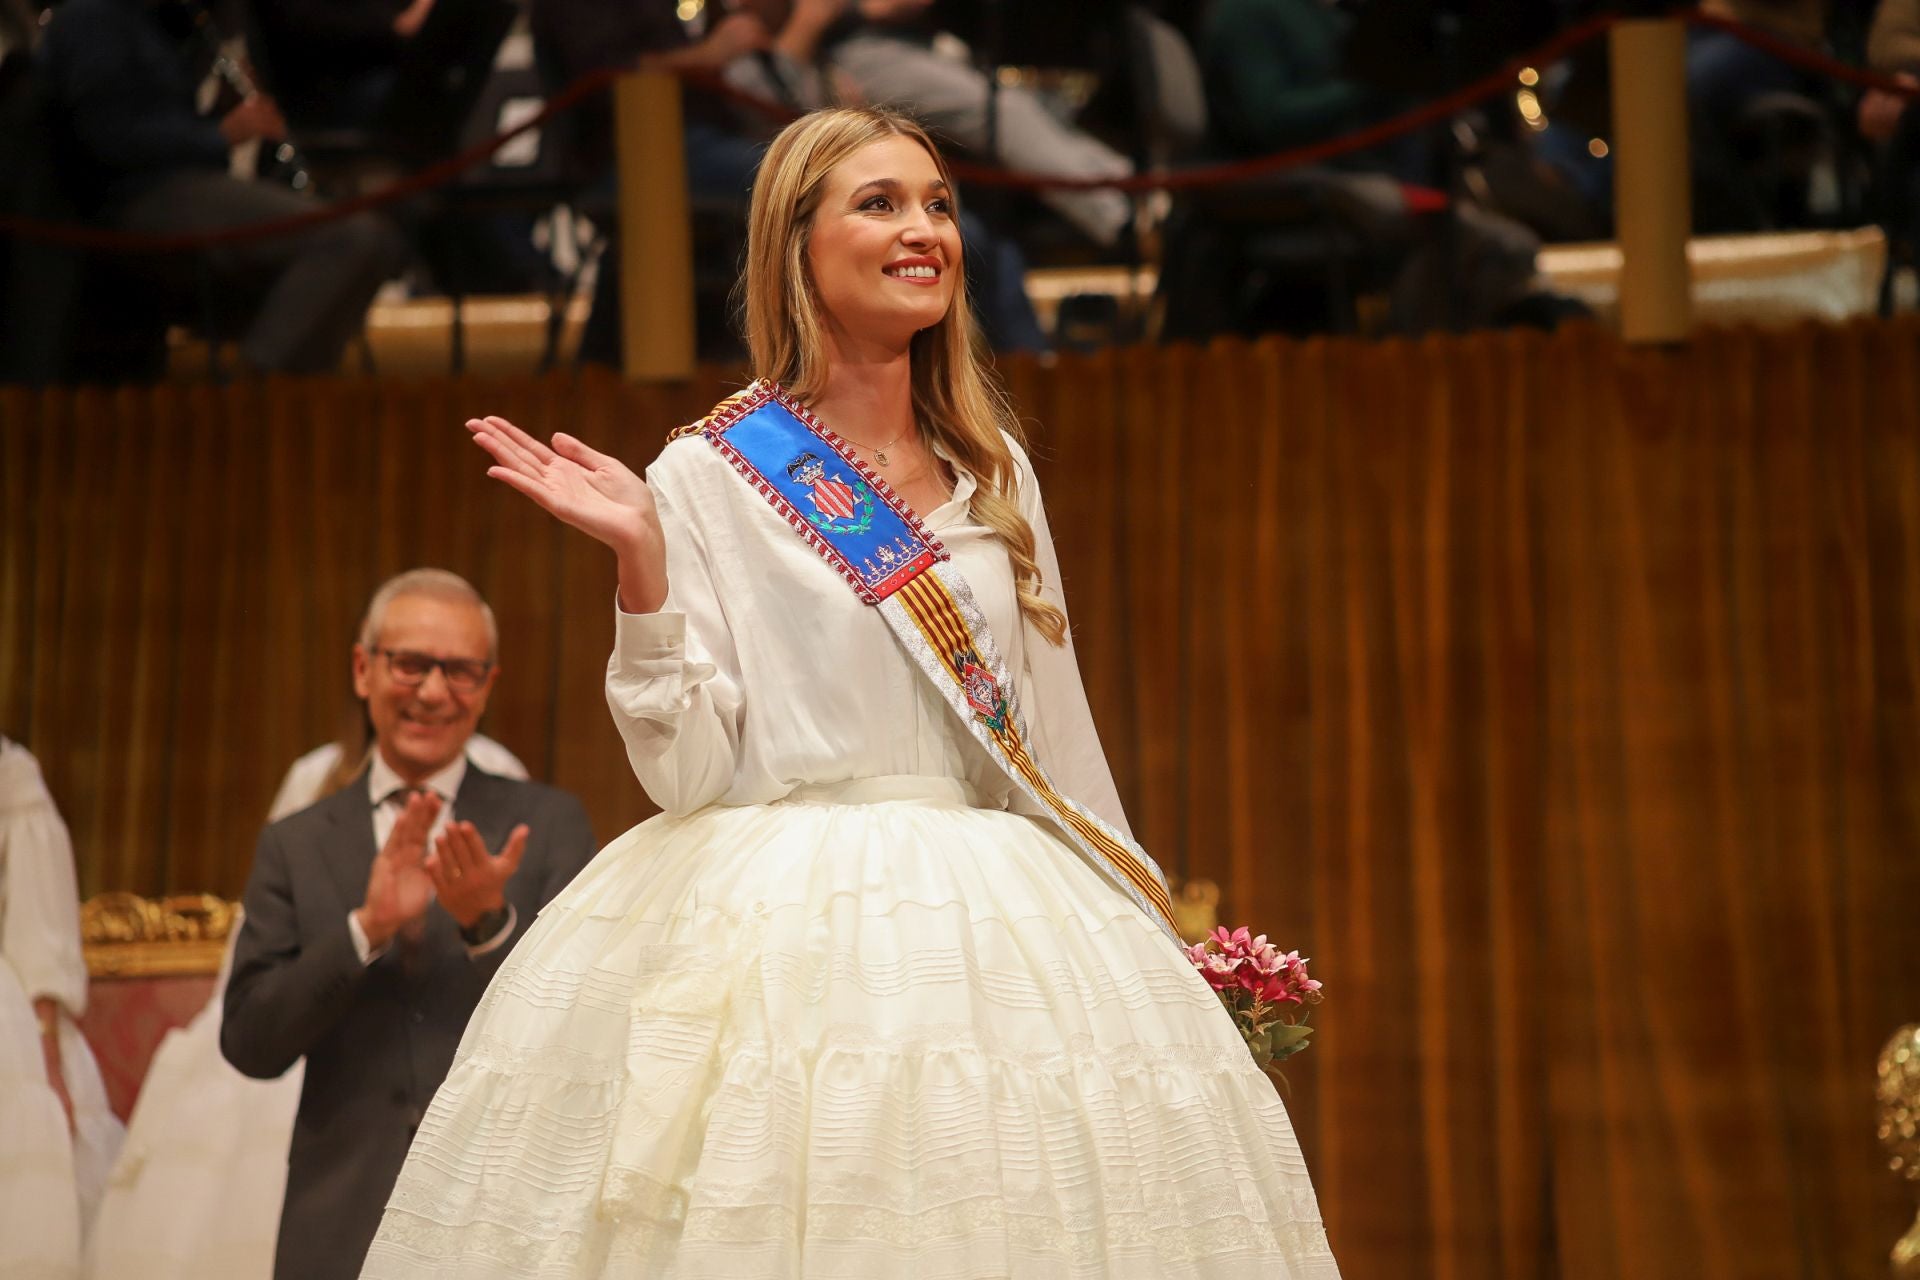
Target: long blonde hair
(956, 402)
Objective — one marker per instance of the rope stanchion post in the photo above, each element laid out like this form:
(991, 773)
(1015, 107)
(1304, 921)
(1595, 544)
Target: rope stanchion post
(1653, 211)
(656, 235)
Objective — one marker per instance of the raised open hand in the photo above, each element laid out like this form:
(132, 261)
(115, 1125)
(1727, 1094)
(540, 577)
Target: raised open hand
(596, 494)
(470, 881)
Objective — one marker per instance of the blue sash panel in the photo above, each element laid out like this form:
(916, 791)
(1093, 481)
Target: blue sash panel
(842, 509)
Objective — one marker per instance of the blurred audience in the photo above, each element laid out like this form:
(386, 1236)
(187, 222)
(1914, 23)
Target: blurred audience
(393, 79)
(1893, 48)
(767, 49)
(137, 152)
(335, 63)
(792, 72)
(1275, 73)
(1889, 122)
(893, 54)
(1736, 185)
(575, 37)
(140, 157)
(1738, 94)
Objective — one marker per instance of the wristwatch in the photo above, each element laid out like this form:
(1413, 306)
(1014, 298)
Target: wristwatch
(484, 929)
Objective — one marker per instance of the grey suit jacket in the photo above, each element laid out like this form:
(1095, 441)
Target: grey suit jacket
(378, 1038)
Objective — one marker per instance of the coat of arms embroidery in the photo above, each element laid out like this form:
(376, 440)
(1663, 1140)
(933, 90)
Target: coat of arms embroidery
(840, 505)
(982, 690)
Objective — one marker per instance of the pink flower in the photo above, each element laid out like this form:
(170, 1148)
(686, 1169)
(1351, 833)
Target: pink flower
(1236, 943)
(1216, 968)
(1293, 978)
(1254, 981)
(1250, 979)
(1253, 978)
(1240, 960)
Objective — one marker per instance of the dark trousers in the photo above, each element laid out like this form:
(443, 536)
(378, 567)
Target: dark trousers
(294, 302)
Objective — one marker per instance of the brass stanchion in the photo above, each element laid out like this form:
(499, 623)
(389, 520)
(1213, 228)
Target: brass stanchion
(656, 238)
(1653, 207)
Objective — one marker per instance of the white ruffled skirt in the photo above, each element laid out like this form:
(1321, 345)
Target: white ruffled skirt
(870, 1030)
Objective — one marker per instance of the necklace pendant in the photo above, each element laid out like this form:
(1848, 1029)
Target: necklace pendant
(880, 456)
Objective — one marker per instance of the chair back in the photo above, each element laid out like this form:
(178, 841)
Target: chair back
(1169, 92)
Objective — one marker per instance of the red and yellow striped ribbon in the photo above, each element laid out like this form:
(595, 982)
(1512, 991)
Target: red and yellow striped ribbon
(932, 608)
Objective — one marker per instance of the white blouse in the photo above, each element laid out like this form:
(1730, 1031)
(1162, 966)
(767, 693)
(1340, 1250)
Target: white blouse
(764, 672)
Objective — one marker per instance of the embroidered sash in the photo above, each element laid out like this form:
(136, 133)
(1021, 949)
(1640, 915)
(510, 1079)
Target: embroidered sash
(860, 527)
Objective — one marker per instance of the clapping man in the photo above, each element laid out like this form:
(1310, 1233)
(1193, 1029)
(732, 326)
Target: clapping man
(375, 918)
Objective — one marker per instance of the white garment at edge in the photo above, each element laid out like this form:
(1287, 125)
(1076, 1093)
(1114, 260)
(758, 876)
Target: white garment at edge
(50, 1179)
(843, 1011)
(197, 1190)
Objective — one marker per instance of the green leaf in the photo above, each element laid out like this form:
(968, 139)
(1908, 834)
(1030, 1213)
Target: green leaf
(1287, 1039)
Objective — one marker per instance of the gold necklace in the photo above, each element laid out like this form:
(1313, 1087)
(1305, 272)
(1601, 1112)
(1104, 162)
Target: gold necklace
(880, 454)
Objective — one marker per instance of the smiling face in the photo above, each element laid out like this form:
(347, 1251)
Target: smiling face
(884, 246)
(423, 727)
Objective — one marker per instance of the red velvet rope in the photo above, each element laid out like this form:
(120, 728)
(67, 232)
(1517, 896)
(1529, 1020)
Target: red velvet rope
(444, 171)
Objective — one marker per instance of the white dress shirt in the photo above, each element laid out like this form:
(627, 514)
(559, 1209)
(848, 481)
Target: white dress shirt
(387, 793)
(305, 776)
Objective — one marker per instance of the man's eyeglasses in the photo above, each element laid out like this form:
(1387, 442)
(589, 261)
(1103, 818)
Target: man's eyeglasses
(464, 675)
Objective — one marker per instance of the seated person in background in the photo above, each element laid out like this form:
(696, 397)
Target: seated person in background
(766, 48)
(1275, 79)
(1725, 77)
(792, 72)
(1889, 120)
(886, 49)
(58, 1136)
(1726, 73)
(141, 158)
(196, 1192)
(335, 62)
(575, 37)
(449, 865)
(1893, 48)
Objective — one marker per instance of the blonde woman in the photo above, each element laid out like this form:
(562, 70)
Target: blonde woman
(887, 990)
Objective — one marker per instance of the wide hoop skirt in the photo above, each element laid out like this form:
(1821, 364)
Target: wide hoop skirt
(870, 1030)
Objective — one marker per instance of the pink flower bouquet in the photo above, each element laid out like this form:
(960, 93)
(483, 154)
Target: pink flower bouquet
(1266, 991)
